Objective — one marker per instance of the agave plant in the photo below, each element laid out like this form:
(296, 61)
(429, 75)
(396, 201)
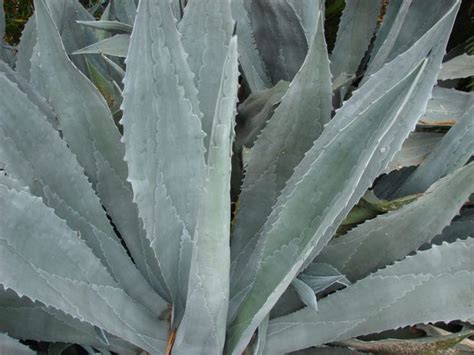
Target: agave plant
(122, 237)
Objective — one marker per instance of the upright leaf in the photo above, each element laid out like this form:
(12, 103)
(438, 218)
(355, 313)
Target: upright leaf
(123, 11)
(413, 24)
(164, 142)
(254, 70)
(335, 173)
(307, 13)
(279, 36)
(452, 152)
(202, 330)
(434, 285)
(355, 31)
(254, 113)
(296, 123)
(206, 29)
(388, 33)
(387, 238)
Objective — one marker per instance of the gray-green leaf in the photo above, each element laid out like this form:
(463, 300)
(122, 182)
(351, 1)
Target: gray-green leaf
(433, 285)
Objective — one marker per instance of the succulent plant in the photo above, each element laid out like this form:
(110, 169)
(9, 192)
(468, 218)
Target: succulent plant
(119, 231)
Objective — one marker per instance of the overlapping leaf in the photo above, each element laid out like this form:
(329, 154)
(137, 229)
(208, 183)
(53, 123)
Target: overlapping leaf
(434, 285)
(296, 123)
(387, 238)
(279, 36)
(31, 151)
(452, 152)
(206, 29)
(254, 70)
(43, 259)
(202, 330)
(355, 31)
(164, 143)
(335, 173)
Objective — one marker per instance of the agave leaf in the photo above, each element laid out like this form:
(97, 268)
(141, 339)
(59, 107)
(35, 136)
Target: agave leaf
(253, 67)
(460, 228)
(262, 337)
(116, 46)
(306, 294)
(65, 14)
(88, 128)
(296, 123)
(31, 151)
(2, 21)
(387, 35)
(13, 346)
(279, 37)
(43, 259)
(110, 26)
(446, 107)
(32, 94)
(404, 296)
(25, 48)
(459, 67)
(414, 24)
(307, 12)
(415, 149)
(202, 330)
(74, 259)
(115, 67)
(106, 87)
(206, 29)
(254, 113)
(397, 346)
(24, 319)
(123, 11)
(380, 116)
(387, 238)
(320, 276)
(355, 31)
(164, 143)
(452, 152)
(325, 350)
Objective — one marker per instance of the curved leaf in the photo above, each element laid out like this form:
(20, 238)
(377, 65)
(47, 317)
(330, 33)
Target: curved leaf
(433, 285)
(43, 259)
(31, 151)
